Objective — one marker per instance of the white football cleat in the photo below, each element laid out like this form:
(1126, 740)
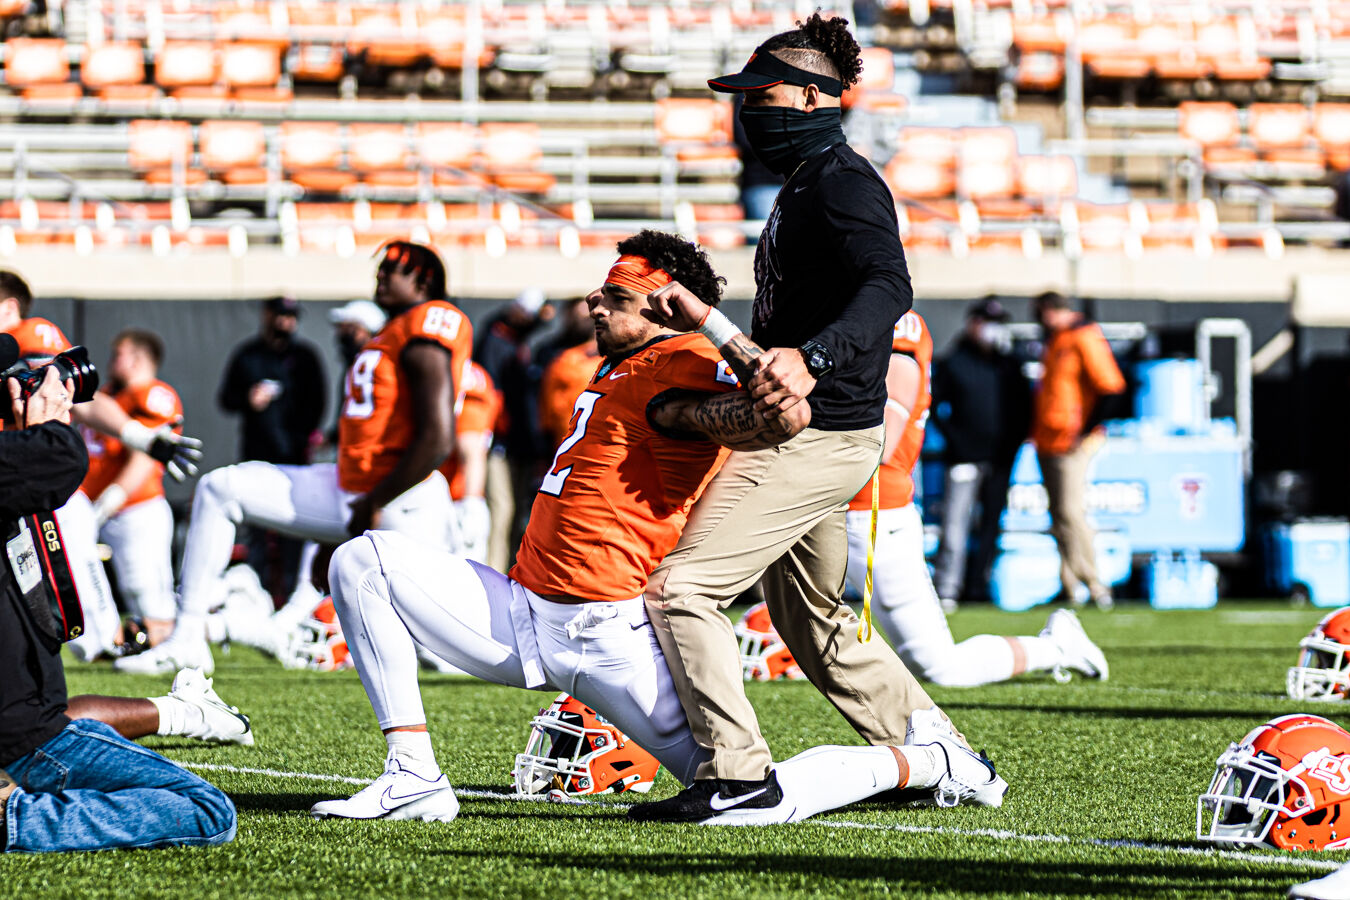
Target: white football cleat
(970, 778)
(397, 794)
(222, 723)
(176, 653)
(1335, 886)
(1077, 650)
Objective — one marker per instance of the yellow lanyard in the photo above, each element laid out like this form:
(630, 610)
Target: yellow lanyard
(865, 632)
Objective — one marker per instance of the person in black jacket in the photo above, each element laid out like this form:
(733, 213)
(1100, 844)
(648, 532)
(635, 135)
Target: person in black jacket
(276, 382)
(70, 784)
(983, 406)
(830, 285)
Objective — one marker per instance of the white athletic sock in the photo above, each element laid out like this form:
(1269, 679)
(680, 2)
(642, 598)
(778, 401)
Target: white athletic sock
(828, 777)
(926, 765)
(177, 717)
(413, 751)
(189, 628)
(1042, 653)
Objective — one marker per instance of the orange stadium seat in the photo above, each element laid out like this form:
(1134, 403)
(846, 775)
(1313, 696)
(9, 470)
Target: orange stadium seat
(1047, 179)
(311, 155)
(326, 227)
(448, 149)
(1331, 128)
(1047, 33)
(1188, 226)
(387, 35)
(934, 145)
(1230, 53)
(41, 67)
(116, 70)
(252, 71)
(234, 148)
(1217, 129)
(162, 151)
(1106, 226)
(181, 66)
(265, 24)
(996, 144)
(1039, 72)
(442, 34)
(919, 178)
(875, 89)
(381, 153)
(511, 153)
(1109, 50)
(1282, 133)
(696, 129)
(317, 60)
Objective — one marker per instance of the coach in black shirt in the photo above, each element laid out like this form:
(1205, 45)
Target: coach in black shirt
(831, 283)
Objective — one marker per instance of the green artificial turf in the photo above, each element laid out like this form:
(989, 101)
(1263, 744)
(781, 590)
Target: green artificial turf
(1104, 783)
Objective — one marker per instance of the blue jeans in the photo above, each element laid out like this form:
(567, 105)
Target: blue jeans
(89, 788)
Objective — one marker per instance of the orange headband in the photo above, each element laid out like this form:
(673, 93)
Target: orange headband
(636, 273)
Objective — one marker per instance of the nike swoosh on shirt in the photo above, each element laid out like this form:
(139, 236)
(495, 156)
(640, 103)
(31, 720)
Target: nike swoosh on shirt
(800, 189)
(402, 798)
(618, 375)
(721, 804)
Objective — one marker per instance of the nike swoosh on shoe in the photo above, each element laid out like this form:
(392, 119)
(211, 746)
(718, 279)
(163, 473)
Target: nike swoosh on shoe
(721, 804)
(389, 795)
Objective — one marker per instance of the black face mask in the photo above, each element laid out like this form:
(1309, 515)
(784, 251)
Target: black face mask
(782, 137)
(349, 346)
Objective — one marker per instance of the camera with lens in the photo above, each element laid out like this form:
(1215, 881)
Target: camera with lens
(72, 365)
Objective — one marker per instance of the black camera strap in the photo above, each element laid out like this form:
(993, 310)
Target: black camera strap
(37, 558)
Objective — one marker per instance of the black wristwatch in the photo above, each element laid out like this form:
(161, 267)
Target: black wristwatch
(818, 359)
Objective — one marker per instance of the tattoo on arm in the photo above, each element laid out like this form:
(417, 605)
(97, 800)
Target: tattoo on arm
(742, 355)
(731, 420)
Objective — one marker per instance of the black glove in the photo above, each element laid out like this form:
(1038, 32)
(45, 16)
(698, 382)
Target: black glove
(178, 452)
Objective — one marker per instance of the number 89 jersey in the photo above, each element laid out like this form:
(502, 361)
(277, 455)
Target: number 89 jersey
(377, 424)
(618, 493)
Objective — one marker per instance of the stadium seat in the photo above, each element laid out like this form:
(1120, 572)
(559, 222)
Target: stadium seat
(511, 153)
(1331, 128)
(917, 178)
(1282, 132)
(311, 59)
(311, 156)
(41, 68)
(187, 68)
(695, 130)
(162, 151)
(1215, 127)
(1109, 50)
(381, 154)
(875, 90)
(1045, 33)
(385, 36)
(1188, 226)
(116, 71)
(252, 23)
(935, 145)
(252, 71)
(449, 150)
(442, 34)
(1039, 72)
(1047, 179)
(326, 227)
(1107, 226)
(234, 149)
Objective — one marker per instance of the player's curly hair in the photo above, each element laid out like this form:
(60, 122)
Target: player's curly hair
(683, 261)
(804, 45)
(422, 261)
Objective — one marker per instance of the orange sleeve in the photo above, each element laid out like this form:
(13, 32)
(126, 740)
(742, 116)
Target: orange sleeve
(1099, 366)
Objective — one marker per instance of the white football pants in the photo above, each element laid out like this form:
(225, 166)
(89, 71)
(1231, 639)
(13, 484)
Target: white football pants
(907, 609)
(390, 592)
(297, 501)
(101, 620)
(141, 539)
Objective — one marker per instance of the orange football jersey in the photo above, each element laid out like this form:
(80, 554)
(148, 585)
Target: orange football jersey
(618, 493)
(39, 340)
(475, 414)
(565, 378)
(152, 404)
(911, 338)
(377, 426)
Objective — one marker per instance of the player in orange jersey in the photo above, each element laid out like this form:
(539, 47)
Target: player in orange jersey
(906, 605)
(647, 435)
(466, 467)
(396, 427)
(39, 340)
(127, 487)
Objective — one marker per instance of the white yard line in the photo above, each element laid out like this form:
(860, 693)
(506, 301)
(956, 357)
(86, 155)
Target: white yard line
(1297, 862)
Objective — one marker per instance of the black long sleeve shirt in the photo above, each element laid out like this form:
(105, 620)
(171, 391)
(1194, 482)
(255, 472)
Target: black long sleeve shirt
(39, 469)
(280, 432)
(829, 267)
(983, 404)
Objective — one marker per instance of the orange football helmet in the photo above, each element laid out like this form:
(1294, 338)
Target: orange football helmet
(1286, 785)
(573, 750)
(317, 642)
(764, 656)
(1323, 670)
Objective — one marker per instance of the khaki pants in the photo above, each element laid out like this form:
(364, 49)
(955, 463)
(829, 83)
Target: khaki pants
(1065, 479)
(779, 512)
(501, 511)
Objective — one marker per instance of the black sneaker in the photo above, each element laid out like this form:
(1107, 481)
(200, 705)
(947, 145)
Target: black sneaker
(713, 800)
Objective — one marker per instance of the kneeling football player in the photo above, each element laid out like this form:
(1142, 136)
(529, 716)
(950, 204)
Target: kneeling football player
(647, 434)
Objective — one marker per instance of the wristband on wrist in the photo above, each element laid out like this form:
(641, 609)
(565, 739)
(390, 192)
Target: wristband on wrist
(717, 328)
(137, 436)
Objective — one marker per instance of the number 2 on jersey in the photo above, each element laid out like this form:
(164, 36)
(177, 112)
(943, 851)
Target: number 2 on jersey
(582, 409)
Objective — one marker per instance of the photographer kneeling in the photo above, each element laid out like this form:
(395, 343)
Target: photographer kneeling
(68, 785)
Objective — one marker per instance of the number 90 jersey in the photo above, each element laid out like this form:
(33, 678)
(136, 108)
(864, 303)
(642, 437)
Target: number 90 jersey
(618, 493)
(377, 424)
(912, 339)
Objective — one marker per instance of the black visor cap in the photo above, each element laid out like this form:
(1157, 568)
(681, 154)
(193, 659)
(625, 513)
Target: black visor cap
(764, 70)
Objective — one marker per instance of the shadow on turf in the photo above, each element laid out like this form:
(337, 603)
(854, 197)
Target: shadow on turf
(1120, 712)
(955, 873)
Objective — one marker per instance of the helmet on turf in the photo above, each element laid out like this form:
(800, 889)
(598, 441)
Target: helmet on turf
(1323, 670)
(316, 642)
(1286, 785)
(764, 656)
(573, 750)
